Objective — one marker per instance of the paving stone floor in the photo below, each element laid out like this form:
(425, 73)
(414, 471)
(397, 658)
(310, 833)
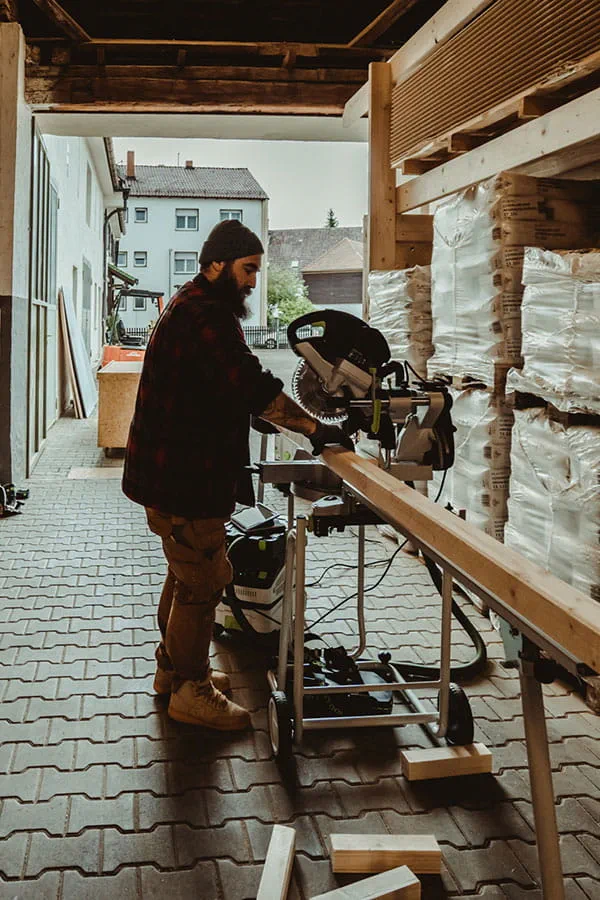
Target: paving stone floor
(104, 796)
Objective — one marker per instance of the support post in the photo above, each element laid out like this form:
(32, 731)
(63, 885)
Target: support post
(540, 775)
(299, 628)
(382, 178)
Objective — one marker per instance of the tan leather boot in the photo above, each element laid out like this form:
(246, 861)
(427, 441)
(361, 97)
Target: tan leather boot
(200, 703)
(164, 678)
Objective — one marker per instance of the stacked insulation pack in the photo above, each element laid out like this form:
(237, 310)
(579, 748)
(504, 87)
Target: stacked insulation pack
(479, 245)
(554, 505)
(400, 307)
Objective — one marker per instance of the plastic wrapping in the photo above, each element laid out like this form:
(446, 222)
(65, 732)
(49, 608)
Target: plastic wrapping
(554, 504)
(561, 329)
(478, 482)
(478, 247)
(400, 307)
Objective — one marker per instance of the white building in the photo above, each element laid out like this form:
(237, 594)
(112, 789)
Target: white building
(170, 211)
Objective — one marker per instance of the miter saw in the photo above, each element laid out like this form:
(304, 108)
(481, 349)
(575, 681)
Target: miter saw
(346, 377)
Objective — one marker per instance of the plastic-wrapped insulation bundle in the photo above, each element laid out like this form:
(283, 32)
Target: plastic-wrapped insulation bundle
(478, 244)
(561, 329)
(400, 307)
(554, 504)
(478, 481)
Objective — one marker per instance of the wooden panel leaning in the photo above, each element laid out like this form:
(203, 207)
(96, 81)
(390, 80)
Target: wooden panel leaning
(446, 762)
(565, 615)
(379, 852)
(395, 884)
(277, 872)
(118, 384)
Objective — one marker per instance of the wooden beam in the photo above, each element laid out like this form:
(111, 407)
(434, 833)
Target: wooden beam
(418, 166)
(381, 23)
(382, 178)
(277, 871)
(65, 22)
(395, 884)
(253, 48)
(181, 57)
(378, 852)
(565, 615)
(289, 60)
(534, 106)
(567, 127)
(448, 21)
(414, 228)
(462, 142)
(446, 762)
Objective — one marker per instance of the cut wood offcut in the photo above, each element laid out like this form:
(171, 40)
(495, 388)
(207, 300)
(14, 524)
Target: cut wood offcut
(379, 852)
(277, 872)
(446, 762)
(395, 884)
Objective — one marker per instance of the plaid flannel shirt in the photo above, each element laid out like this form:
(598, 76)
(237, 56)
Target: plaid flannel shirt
(188, 441)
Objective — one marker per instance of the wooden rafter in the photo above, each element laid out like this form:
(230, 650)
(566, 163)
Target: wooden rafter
(65, 22)
(8, 11)
(382, 23)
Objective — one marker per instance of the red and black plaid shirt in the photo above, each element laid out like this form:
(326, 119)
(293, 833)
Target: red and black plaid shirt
(188, 441)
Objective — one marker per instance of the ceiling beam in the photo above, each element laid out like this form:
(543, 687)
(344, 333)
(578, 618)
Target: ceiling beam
(255, 48)
(382, 23)
(65, 22)
(8, 11)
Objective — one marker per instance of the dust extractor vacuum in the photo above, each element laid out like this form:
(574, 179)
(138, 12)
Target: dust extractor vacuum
(345, 376)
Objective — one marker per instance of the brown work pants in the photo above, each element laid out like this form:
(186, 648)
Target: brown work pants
(198, 571)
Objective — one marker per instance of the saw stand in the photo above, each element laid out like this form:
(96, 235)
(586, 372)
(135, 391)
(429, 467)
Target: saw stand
(287, 720)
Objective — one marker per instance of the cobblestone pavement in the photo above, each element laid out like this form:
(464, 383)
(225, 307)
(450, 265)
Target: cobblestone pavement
(104, 796)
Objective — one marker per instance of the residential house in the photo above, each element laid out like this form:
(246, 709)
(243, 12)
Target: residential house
(335, 278)
(171, 210)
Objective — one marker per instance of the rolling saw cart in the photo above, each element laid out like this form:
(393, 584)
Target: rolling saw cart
(346, 378)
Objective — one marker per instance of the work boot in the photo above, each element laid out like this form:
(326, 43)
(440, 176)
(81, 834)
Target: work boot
(200, 703)
(164, 679)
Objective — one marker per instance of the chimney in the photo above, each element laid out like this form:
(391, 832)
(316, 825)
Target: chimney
(130, 164)
(189, 163)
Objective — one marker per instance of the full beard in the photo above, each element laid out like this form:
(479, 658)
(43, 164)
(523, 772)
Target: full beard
(230, 293)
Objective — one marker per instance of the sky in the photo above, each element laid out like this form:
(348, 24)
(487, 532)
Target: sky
(303, 179)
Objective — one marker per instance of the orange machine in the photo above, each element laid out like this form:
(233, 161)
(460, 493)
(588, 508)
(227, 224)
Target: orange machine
(120, 346)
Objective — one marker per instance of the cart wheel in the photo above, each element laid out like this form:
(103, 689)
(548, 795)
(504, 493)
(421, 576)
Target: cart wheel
(271, 344)
(280, 726)
(218, 631)
(460, 718)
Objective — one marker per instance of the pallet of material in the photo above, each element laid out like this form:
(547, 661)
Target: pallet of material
(378, 852)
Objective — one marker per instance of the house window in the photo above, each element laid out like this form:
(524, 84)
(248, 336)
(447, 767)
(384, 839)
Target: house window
(88, 195)
(141, 214)
(294, 264)
(139, 303)
(123, 305)
(140, 258)
(122, 259)
(230, 214)
(186, 220)
(185, 263)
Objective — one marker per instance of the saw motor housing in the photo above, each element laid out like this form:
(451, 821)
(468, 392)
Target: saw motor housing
(346, 377)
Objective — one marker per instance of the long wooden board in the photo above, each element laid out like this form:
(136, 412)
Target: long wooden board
(565, 615)
(277, 872)
(395, 884)
(378, 852)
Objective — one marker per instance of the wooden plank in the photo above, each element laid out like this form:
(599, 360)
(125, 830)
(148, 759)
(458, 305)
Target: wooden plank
(254, 48)
(567, 616)
(277, 871)
(412, 253)
(462, 142)
(566, 127)
(532, 106)
(446, 762)
(378, 852)
(382, 178)
(414, 228)
(61, 17)
(384, 21)
(419, 166)
(394, 884)
(581, 161)
(449, 20)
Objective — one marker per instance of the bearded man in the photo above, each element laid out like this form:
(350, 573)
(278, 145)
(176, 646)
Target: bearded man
(186, 459)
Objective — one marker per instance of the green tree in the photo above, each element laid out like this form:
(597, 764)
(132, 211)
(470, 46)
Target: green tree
(286, 293)
(331, 221)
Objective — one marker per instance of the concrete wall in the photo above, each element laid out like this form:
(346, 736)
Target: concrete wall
(160, 240)
(15, 150)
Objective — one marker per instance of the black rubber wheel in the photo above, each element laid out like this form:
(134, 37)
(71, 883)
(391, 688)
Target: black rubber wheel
(271, 344)
(460, 718)
(279, 715)
(218, 631)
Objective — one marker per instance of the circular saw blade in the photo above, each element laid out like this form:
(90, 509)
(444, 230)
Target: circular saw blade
(307, 391)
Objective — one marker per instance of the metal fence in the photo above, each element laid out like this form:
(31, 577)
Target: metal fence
(143, 333)
(259, 337)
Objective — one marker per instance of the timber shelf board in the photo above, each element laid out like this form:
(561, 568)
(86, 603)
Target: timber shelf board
(446, 762)
(356, 853)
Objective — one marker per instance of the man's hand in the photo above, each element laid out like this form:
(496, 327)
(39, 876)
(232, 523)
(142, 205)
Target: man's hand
(324, 435)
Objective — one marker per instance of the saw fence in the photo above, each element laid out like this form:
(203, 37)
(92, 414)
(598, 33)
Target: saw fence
(551, 616)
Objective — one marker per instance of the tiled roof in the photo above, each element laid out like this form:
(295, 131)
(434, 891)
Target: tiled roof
(205, 181)
(345, 256)
(306, 244)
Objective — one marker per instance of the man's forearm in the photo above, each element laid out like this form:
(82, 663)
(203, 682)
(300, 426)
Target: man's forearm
(285, 412)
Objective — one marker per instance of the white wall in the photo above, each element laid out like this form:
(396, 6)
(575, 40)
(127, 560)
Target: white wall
(78, 240)
(160, 240)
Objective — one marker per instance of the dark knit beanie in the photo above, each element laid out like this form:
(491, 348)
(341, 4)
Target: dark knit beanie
(229, 240)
